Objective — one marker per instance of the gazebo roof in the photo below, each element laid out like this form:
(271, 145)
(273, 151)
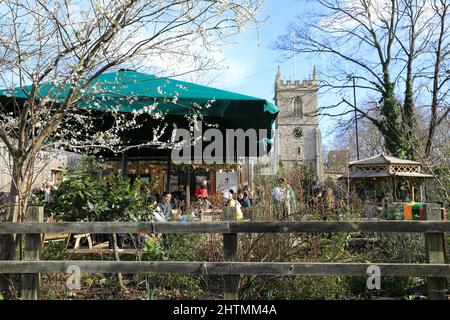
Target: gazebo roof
(383, 166)
(382, 159)
(352, 175)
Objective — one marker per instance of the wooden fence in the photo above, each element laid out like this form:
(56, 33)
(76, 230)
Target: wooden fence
(437, 270)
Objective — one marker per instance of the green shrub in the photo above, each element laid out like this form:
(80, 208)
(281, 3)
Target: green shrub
(172, 247)
(394, 248)
(153, 250)
(390, 287)
(54, 250)
(295, 288)
(394, 211)
(80, 197)
(401, 248)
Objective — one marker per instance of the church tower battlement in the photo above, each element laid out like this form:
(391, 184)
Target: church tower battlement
(280, 83)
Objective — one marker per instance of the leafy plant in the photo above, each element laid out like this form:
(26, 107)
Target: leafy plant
(152, 250)
(394, 211)
(55, 250)
(36, 200)
(172, 247)
(125, 200)
(89, 282)
(80, 197)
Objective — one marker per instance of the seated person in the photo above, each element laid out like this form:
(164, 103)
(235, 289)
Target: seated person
(205, 203)
(165, 206)
(179, 194)
(174, 203)
(155, 196)
(197, 206)
(158, 215)
(179, 197)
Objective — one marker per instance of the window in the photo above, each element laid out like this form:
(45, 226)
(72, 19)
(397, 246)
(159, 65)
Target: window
(56, 177)
(299, 150)
(297, 106)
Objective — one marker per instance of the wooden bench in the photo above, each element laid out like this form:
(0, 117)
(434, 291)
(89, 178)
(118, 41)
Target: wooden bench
(46, 237)
(66, 237)
(102, 251)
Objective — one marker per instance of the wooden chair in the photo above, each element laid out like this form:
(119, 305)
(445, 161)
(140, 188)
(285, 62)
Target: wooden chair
(78, 238)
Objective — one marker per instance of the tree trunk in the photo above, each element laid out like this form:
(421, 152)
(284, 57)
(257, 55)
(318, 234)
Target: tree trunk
(439, 60)
(17, 203)
(433, 118)
(7, 252)
(120, 284)
(408, 111)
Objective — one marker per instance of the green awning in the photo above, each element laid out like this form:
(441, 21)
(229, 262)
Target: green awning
(131, 91)
(128, 91)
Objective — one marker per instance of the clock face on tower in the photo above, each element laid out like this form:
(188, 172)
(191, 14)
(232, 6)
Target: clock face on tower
(297, 132)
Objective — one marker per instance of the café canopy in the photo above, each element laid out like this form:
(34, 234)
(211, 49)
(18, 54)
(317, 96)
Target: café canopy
(129, 91)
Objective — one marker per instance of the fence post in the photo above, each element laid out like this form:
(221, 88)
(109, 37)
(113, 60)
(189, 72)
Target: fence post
(31, 281)
(230, 282)
(435, 253)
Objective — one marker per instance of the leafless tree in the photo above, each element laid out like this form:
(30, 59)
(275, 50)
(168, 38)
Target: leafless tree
(64, 45)
(395, 50)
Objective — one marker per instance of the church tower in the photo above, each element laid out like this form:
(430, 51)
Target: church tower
(298, 125)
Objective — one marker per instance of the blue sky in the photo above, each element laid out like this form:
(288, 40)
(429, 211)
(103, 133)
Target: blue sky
(255, 57)
(252, 64)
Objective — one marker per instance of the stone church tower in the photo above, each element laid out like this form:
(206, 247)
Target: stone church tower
(298, 127)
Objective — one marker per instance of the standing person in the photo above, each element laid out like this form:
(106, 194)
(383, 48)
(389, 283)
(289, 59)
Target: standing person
(47, 188)
(231, 202)
(243, 198)
(328, 198)
(202, 190)
(281, 197)
(249, 193)
(291, 197)
(180, 194)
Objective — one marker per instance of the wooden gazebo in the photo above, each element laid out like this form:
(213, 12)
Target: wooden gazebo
(402, 176)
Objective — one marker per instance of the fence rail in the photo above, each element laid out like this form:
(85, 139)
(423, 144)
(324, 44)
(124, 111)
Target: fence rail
(228, 268)
(226, 227)
(436, 270)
